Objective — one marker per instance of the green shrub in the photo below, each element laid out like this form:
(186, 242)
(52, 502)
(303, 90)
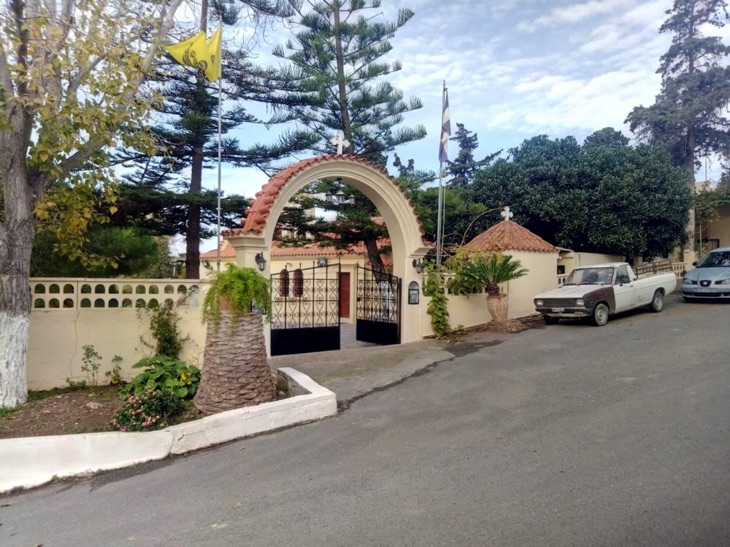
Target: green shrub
(244, 289)
(148, 411)
(438, 306)
(164, 373)
(164, 325)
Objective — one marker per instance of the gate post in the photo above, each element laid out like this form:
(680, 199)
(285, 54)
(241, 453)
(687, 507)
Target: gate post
(410, 313)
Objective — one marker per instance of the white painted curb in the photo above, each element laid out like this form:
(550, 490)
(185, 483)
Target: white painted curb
(32, 461)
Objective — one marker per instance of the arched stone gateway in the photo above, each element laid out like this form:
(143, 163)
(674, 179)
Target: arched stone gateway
(404, 228)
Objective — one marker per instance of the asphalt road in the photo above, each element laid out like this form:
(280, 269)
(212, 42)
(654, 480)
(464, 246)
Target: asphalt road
(568, 435)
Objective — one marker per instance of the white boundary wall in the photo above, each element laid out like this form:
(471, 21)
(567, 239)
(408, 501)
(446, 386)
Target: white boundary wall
(471, 310)
(71, 313)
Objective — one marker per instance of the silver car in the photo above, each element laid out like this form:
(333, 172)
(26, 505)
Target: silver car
(710, 279)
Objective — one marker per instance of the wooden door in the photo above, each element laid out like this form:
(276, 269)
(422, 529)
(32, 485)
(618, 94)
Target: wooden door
(345, 294)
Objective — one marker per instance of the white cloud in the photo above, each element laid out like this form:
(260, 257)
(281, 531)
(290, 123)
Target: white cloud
(515, 68)
(574, 13)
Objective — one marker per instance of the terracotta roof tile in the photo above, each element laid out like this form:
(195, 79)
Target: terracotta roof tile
(314, 249)
(227, 251)
(510, 236)
(260, 207)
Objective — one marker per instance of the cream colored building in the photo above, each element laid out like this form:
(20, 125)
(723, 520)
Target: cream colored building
(535, 254)
(712, 235)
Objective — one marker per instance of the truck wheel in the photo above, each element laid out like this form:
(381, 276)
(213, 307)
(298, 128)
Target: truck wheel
(657, 302)
(600, 315)
(550, 320)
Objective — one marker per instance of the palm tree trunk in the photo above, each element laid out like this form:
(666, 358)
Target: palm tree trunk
(235, 372)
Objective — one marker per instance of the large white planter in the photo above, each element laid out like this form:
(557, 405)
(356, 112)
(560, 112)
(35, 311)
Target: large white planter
(32, 461)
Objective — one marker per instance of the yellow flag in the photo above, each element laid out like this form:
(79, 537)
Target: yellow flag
(193, 52)
(213, 71)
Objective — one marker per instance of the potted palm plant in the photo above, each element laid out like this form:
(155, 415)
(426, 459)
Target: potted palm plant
(489, 272)
(235, 370)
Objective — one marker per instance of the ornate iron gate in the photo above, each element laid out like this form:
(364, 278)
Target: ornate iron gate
(305, 310)
(378, 307)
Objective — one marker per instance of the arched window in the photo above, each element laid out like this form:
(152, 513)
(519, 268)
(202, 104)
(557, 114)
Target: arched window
(298, 283)
(284, 283)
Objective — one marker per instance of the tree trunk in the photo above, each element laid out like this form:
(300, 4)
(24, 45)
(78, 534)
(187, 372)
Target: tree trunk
(690, 166)
(690, 144)
(235, 371)
(192, 234)
(376, 261)
(342, 88)
(16, 243)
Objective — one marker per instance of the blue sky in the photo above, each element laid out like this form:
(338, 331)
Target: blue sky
(514, 69)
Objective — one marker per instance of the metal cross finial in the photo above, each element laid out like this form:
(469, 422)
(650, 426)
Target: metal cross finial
(506, 213)
(340, 141)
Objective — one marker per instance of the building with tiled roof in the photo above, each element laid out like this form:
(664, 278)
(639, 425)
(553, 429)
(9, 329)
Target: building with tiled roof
(228, 253)
(534, 253)
(510, 236)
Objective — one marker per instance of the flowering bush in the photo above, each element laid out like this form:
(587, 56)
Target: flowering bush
(149, 411)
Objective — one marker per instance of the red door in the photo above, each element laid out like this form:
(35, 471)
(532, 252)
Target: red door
(345, 294)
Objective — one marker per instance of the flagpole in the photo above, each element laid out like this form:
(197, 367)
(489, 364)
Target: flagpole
(220, 132)
(443, 158)
(443, 216)
(441, 170)
(440, 208)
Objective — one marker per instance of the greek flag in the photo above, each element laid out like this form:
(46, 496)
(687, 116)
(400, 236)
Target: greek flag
(445, 129)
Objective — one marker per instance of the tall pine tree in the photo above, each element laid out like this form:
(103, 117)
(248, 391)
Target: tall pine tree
(689, 114)
(159, 195)
(464, 167)
(337, 55)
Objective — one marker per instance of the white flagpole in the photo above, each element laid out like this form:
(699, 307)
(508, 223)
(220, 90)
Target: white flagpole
(443, 156)
(441, 169)
(440, 209)
(220, 132)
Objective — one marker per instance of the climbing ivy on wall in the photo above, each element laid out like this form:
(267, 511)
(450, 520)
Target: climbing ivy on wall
(438, 306)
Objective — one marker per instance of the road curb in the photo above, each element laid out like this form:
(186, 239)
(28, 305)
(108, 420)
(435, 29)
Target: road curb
(32, 461)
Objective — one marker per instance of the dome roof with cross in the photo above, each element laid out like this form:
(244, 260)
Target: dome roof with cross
(510, 236)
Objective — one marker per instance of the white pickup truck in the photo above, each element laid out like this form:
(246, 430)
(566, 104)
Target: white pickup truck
(598, 291)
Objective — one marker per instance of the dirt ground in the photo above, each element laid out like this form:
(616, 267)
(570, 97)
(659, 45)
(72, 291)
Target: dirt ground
(72, 410)
(62, 411)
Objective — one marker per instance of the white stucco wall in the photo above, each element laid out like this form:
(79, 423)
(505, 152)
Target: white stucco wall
(57, 335)
(465, 311)
(572, 260)
(541, 277)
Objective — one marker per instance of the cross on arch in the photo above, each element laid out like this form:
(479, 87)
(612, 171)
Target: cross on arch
(506, 213)
(340, 141)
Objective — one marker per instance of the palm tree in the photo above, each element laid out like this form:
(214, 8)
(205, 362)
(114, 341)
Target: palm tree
(489, 272)
(235, 370)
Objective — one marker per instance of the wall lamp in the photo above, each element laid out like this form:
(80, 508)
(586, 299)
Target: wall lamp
(321, 262)
(418, 265)
(260, 261)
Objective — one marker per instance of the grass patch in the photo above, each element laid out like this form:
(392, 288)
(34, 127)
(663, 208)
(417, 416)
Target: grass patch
(45, 394)
(7, 411)
(102, 394)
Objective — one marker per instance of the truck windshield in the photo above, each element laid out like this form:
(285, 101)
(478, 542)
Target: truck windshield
(590, 276)
(715, 260)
